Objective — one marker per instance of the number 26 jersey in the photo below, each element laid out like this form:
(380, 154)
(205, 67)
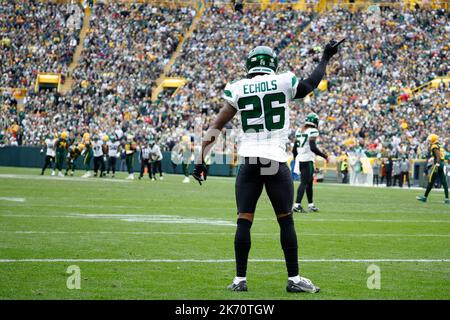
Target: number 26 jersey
(262, 103)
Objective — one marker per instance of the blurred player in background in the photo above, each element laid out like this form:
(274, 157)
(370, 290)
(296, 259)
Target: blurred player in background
(97, 146)
(87, 154)
(105, 149)
(113, 154)
(49, 145)
(156, 158)
(305, 151)
(61, 147)
(130, 150)
(437, 171)
(72, 156)
(144, 159)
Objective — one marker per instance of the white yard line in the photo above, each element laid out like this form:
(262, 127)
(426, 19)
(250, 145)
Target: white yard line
(216, 260)
(82, 216)
(12, 199)
(56, 178)
(399, 235)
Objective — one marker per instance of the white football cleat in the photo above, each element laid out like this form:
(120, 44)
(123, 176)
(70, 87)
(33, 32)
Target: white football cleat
(161, 178)
(186, 180)
(130, 177)
(86, 175)
(53, 173)
(60, 174)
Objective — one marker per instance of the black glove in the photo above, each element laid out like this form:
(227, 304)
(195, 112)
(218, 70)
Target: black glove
(331, 49)
(200, 173)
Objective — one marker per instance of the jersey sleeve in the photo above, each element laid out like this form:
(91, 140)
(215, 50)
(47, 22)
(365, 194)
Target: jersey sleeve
(313, 133)
(291, 84)
(230, 95)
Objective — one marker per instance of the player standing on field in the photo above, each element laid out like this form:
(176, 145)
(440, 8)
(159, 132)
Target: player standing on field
(437, 171)
(49, 144)
(113, 153)
(156, 157)
(305, 151)
(262, 101)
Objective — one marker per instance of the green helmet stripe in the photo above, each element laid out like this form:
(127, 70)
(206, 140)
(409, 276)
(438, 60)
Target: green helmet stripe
(228, 93)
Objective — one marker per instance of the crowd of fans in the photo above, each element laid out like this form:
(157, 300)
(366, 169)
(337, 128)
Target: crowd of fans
(366, 103)
(384, 53)
(36, 37)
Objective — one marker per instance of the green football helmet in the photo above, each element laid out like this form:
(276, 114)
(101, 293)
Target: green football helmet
(312, 119)
(262, 59)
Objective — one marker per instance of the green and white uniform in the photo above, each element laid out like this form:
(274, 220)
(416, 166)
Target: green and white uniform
(302, 139)
(263, 106)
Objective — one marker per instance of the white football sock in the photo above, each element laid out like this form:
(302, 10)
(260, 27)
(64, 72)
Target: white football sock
(310, 205)
(236, 280)
(296, 279)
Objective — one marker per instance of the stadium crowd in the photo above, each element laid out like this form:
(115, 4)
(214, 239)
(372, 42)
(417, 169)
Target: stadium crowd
(366, 103)
(36, 36)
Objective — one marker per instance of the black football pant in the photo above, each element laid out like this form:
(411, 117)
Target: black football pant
(252, 177)
(99, 165)
(156, 167)
(306, 181)
(146, 163)
(112, 165)
(49, 161)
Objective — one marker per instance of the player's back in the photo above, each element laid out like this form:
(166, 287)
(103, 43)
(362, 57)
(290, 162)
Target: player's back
(262, 103)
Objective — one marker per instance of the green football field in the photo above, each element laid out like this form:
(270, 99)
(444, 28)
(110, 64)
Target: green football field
(169, 240)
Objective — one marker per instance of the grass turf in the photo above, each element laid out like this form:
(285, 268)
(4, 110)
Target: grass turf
(71, 218)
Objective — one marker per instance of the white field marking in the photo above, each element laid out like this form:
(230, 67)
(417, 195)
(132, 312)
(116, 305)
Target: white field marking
(12, 199)
(218, 260)
(159, 218)
(399, 235)
(56, 178)
(82, 216)
(83, 206)
(363, 220)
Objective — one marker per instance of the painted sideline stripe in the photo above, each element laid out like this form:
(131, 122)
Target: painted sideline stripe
(81, 216)
(218, 260)
(226, 233)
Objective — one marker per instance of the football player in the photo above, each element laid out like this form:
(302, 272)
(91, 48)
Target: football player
(49, 145)
(437, 171)
(61, 147)
(262, 101)
(130, 149)
(113, 154)
(156, 158)
(97, 146)
(72, 156)
(87, 154)
(144, 159)
(305, 151)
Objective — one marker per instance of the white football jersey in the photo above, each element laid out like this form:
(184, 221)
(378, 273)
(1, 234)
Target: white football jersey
(155, 153)
(263, 106)
(113, 148)
(302, 139)
(97, 146)
(50, 146)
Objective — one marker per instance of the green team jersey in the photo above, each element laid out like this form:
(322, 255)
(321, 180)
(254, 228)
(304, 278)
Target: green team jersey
(61, 145)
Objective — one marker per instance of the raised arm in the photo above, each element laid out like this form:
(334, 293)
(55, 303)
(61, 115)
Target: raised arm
(308, 85)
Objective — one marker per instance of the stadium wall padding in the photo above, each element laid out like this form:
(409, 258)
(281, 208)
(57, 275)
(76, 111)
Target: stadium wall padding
(30, 157)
